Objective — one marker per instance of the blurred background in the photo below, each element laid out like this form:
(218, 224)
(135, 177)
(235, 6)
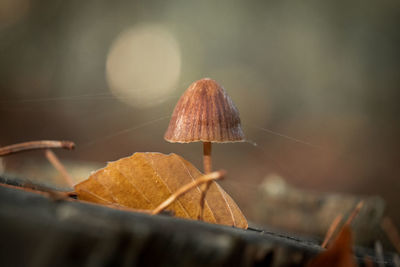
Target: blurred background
(316, 84)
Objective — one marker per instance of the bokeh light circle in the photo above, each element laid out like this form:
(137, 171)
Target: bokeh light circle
(143, 65)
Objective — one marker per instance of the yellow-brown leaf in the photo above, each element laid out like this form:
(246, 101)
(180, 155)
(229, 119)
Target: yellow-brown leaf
(145, 180)
(339, 254)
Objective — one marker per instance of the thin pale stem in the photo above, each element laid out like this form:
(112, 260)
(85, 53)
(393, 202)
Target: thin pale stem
(59, 167)
(42, 144)
(182, 190)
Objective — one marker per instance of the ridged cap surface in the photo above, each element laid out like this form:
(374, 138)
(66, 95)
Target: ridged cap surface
(204, 113)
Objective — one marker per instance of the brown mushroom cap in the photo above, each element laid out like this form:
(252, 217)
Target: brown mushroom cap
(204, 113)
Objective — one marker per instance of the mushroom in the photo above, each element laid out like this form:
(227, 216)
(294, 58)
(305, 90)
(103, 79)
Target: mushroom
(205, 113)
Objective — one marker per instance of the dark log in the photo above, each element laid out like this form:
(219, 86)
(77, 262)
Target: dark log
(38, 231)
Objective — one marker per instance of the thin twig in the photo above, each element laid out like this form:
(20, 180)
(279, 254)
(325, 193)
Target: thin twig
(54, 194)
(331, 230)
(355, 212)
(182, 190)
(204, 191)
(59, 167)
(391, 232)
(42, 144)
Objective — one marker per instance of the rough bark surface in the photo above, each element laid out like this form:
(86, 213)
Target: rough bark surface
(38, 231)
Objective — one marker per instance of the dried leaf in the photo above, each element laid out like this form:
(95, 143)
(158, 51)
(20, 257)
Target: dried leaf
(144, 180)
(339, 254)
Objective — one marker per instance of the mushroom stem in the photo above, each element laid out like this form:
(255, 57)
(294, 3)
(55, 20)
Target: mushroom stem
(207, 157)
(207, 169)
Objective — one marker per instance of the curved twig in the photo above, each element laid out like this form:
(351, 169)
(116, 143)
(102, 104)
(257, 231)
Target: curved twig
(42, 144)
(182, 190)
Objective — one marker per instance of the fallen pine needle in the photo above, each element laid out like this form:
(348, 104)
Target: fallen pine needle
(355, 212)
(42, 144)
(331, 230)
(59, 166)
(203, 179)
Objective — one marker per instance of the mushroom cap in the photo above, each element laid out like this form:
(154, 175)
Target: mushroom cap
(205, 113)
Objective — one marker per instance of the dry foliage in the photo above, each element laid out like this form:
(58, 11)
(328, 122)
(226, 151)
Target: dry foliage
(144, 180)
(339, 253)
